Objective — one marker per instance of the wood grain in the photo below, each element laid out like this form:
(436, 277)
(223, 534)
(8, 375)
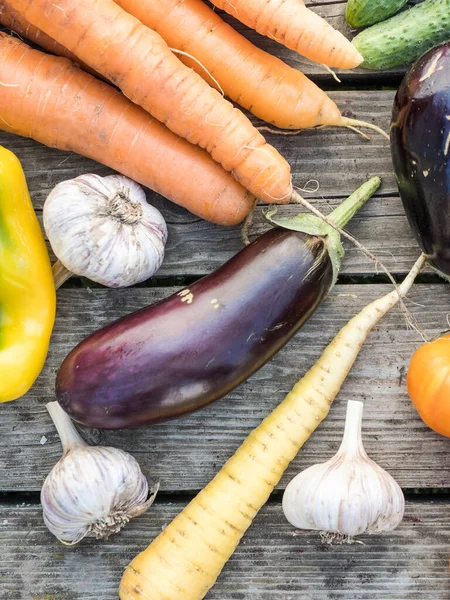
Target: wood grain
(381, 226)
(185, 454)
(273, 562)
(197, 247)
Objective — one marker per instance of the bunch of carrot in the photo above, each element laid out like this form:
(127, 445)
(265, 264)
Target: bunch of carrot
(135, 44)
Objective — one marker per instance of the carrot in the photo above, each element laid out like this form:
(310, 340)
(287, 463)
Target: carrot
(292, 24)
(140, 63)
(256, 80)
(13, 20)
(66, 108)
(184, 561)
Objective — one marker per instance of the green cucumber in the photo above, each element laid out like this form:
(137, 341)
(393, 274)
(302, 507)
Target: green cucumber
(361, 13)
(404, 37)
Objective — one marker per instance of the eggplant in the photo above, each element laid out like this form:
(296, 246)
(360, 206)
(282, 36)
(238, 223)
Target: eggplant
(192, 348)
(420, 146)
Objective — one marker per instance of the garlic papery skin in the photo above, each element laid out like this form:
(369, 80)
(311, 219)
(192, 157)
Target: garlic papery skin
(92, 491)
(104, 229)
(348, 495)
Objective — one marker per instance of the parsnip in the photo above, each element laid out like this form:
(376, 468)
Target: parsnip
(184, 561)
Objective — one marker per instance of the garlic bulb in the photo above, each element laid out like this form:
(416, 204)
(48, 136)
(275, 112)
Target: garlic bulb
(104, 229)
(92, 491)
(347, 495)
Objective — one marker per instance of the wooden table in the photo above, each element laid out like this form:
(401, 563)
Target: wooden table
(273, 562)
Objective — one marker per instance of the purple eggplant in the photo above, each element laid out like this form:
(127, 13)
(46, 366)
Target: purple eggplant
(192, 348)
(420, 145)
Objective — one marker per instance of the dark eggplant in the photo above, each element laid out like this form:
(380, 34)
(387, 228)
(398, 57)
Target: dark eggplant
(420, 145)
(192, 348)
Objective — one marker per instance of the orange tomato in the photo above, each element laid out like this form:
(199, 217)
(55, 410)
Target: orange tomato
(428, 383)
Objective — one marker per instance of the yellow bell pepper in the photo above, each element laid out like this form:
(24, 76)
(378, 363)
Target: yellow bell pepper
(27, 290)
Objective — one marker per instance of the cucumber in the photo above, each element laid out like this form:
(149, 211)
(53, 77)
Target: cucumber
(403, 38)
(361, 13)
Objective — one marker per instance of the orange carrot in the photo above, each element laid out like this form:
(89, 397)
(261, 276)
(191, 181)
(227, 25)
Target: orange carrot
(259, 82)
(13, 20)
(54, 102)
(256, 80)
(292, 24)
(140, 63)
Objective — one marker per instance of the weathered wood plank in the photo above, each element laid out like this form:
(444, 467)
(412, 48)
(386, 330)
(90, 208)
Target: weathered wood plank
(273, 561)
(198, 247)
(186, 453)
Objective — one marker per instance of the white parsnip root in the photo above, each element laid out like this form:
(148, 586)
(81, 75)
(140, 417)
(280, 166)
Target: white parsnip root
(184, 561)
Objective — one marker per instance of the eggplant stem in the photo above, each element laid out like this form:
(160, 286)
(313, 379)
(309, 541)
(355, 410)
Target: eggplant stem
(60, 274)
(352, 123)
(342, 214)
(408, 316)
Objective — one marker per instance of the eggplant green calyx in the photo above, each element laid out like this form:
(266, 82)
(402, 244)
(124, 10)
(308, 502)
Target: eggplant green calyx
(329, 228)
